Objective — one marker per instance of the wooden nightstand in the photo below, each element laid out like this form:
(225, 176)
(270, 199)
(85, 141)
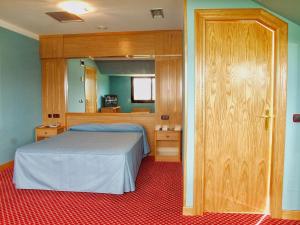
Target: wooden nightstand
(44, 132)
(168, 146)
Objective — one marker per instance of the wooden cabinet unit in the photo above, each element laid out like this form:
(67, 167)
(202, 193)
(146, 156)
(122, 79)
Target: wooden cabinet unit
(44, 132)
(51, 46)
(164, 46)
(168, 90)
(168, 146)
(53, 91)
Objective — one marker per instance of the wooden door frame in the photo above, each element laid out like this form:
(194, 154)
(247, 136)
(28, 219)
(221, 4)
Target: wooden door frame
(280, 79)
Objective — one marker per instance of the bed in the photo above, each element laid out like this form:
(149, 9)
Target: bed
(100, 158)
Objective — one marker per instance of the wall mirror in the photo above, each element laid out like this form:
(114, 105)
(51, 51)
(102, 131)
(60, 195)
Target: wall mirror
(111, 85)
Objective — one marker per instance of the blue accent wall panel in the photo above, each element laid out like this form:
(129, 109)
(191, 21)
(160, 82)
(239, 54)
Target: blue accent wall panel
(20, 92)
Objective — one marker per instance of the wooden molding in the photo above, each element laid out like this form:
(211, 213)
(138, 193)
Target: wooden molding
(280, 77)
(188, 211)
(185, 119)
(7, 165)
(291, 214)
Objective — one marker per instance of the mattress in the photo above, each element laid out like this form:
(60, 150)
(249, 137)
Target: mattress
(81, 161)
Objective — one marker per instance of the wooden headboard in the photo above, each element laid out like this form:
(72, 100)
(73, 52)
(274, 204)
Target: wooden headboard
(147, 120)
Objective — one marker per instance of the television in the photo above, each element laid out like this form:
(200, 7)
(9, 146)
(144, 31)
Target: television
(110, 101)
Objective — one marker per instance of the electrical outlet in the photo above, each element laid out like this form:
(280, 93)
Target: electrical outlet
(164, 117)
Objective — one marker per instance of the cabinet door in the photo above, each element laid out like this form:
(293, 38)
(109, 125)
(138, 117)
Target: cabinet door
(169, 89)
(53, 90)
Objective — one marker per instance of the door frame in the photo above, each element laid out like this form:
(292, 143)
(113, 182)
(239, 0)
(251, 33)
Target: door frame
(280, 29)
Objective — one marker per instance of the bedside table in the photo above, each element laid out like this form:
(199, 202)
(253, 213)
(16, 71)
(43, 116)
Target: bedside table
(44, 132)
(168, 146)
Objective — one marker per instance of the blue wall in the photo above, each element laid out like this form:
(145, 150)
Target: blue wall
(291, 193)
(20, 92)
(76, 86)
(121, 86)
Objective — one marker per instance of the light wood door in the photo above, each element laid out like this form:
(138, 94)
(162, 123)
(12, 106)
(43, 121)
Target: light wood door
(90, 90)
(239, 69)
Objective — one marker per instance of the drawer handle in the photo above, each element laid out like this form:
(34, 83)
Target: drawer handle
(167, 136)
(46, 132)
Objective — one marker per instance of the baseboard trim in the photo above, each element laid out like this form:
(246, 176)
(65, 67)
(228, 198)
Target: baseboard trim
(7, 165)
(188, 211)
(291, 214)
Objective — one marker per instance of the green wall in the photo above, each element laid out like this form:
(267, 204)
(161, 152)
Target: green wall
(121, 86)
(291, 193)
(20, 92)
(76, 86)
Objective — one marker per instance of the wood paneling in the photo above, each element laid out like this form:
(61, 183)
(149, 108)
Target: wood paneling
(109, 44)
(54, 91)
(291, 215)
(7, 165)
(236, 61)
(168, 43)
(51, 46)
(168, 90)
(147, 120)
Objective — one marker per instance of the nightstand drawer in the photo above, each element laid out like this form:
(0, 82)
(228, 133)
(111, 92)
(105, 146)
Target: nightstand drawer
(168, 135)
(46, 132)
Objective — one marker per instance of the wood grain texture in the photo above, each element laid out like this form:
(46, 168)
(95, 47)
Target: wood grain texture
(238, 88)
(168, 43)
(168, 71)
(53, 90)
(7, 165)
(117, 44)
(51, 46)
(238, 61)
(147, 120)
(291, 215)
(90, 82)
(123, 43)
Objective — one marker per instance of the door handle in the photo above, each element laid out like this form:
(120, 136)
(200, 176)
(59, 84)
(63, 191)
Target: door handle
(267, 116)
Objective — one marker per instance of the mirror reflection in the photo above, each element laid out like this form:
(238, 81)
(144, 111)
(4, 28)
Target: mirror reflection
(107, 85)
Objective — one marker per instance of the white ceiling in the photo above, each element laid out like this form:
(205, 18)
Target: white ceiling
(287, 8)
(117, 15)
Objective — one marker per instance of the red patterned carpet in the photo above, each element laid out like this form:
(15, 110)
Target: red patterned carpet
(157, 200)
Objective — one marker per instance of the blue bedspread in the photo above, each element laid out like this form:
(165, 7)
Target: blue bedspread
(87, 158)
(116, 127)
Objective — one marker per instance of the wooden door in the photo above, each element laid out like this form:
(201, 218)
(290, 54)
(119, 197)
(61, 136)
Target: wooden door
(90, 90)
(237, 105)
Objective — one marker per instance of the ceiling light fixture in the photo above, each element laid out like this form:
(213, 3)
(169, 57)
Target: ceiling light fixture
(157, 13)
(75, 7)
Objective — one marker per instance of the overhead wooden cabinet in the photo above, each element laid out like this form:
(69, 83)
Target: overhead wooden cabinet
(51, 46)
